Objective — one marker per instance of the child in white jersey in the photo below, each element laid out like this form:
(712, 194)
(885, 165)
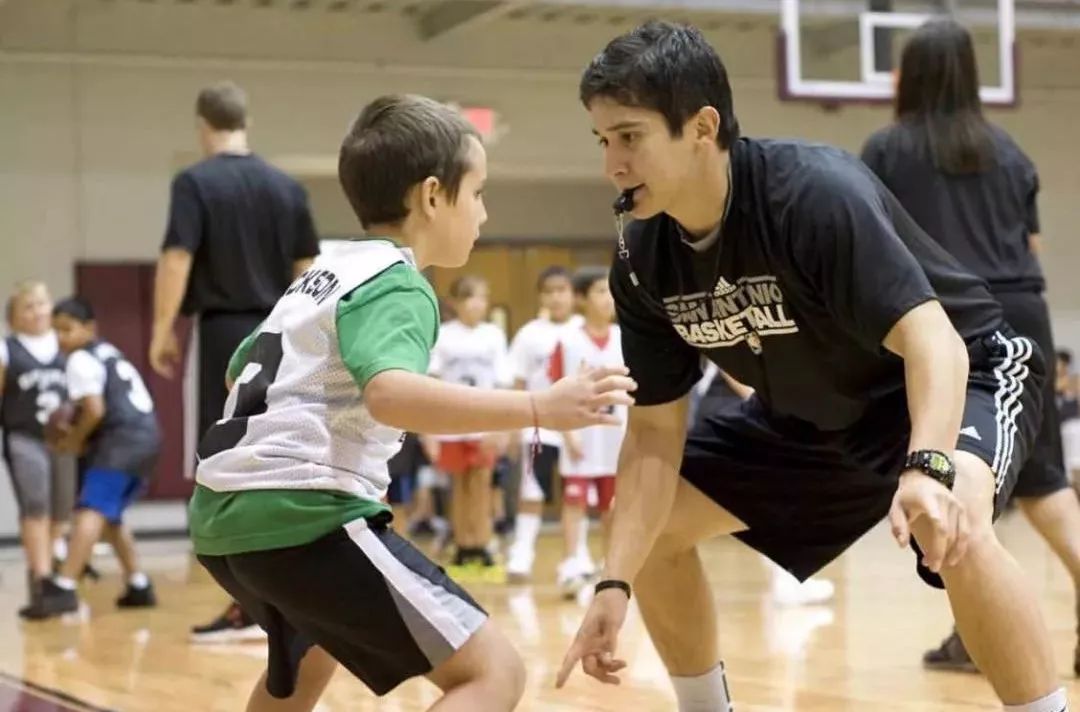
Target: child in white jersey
(530, 353)
(589, 456)
(472, 352)
(287, 515)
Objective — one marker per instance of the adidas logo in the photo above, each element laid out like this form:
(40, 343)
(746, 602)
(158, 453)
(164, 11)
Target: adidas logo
(723, 287)
(971, 432)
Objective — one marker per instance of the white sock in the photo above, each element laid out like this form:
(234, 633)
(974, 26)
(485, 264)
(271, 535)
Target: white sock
(1054, 702)
(59, 548)
(138, 580)
(526, 530)
(583, 541)
(704, 693)
(64, 583)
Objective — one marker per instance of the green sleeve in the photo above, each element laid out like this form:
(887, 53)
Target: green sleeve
(239, 358)
(388, 323)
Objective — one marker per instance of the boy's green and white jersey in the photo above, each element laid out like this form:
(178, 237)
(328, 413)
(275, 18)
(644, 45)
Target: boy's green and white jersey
(296, 435)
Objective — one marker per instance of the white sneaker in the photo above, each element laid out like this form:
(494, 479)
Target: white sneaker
(572, 576)
(519, 563)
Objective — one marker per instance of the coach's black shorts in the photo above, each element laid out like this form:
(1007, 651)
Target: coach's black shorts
(807, 495)
(1044, 471)
(362, 594)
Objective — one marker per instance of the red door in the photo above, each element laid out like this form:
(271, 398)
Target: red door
(122, 294)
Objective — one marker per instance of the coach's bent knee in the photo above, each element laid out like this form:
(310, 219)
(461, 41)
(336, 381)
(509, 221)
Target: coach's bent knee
(976, 489)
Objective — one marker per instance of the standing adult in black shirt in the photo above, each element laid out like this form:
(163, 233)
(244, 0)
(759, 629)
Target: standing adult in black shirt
(971, 188)
(239, 232)
(870, 351)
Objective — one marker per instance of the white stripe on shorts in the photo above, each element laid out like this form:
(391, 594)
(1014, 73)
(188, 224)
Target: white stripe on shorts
(1008, 402)
(453, 618)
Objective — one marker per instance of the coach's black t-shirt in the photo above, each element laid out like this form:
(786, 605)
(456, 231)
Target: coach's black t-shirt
(245, 222)
(983, 219)
(816, 263)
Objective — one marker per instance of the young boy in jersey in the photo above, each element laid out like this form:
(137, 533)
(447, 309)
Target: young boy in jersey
(286, 513)
(115, 433)
(33, 385)
(589, 456)
(471, 351)
(530, 352)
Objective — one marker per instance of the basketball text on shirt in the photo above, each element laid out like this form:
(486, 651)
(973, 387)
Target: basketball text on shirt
(745, 311)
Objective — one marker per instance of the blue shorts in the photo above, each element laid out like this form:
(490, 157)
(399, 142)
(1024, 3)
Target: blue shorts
(108, 492)
(401, 488)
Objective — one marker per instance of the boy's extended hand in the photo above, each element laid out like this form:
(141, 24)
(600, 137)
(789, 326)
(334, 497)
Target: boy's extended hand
(585, 398)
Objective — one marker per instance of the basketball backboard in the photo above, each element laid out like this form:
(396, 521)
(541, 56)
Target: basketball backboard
(848, 51)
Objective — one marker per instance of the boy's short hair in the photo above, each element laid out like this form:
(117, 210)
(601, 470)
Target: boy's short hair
(550, 273)
(21, 290)
(666, 67)
(396, 142)
(223, 106)
(1065, 356)
(586, 277)
(75, 307)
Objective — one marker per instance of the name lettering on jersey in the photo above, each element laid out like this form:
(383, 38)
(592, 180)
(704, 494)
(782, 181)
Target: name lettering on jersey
(41, 378)
(731, 314)
(317, 284)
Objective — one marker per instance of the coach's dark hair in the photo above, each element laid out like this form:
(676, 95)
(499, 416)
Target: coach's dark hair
(586, 277)
(395, 143)
(550, 273)
(223, 106)
(1065, 356)
(466, 285)
(939, 88)
(75, 307)
(668, 68)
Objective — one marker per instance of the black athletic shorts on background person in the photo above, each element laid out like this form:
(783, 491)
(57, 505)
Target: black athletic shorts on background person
(1044, 472)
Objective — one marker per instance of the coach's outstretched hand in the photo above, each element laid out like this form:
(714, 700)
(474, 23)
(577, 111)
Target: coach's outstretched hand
(596, 639)
(586, 398)
(943, 529)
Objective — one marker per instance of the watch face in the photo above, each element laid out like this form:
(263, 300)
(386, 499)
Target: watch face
(939, 462)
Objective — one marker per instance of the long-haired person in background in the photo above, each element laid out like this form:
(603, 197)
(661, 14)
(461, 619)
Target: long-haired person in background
(967, 184)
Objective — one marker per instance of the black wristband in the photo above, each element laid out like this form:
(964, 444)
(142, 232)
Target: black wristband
(613, 583)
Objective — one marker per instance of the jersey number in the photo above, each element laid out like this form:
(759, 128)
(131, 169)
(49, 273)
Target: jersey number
(47, 402)
(137, 393)
(264, 359)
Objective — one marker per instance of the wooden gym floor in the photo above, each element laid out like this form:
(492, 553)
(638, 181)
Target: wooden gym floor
(862, 652)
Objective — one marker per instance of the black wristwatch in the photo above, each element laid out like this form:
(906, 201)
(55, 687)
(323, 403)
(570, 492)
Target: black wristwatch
(933, 463)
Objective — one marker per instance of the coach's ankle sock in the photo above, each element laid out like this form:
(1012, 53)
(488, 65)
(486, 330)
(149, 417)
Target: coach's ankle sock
(138, 580)
(1054, 702)
(64, 583)
(704, 693)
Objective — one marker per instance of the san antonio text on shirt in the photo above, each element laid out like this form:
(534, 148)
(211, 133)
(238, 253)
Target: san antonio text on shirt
(731, 314)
